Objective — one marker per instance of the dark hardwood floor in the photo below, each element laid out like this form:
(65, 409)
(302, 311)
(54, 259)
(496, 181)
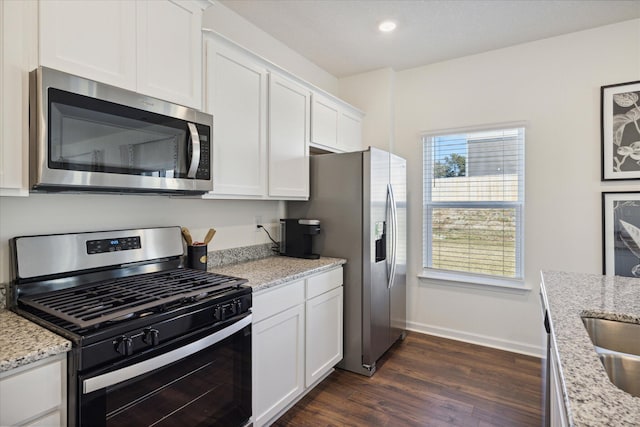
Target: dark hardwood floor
(429, 381)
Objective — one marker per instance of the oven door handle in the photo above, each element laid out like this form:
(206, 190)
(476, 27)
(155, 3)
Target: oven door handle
(124, 374)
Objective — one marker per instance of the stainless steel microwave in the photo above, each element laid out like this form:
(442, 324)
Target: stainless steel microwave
(89, 136)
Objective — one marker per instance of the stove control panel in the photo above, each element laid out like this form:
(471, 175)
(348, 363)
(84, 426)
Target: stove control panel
(222, 312)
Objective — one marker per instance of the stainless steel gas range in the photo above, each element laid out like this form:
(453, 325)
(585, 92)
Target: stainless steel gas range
(154, 344)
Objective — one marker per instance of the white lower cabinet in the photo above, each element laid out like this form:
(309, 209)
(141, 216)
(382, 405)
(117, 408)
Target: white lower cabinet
(297, 340)
(324, 334)
(279, 366)
(35, 394)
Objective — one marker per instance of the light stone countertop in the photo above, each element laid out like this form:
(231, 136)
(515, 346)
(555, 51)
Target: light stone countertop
(23, 342)
(591, 398)
(275, 270)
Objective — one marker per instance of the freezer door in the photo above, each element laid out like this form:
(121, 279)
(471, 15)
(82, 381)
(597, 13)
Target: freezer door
(375, 290)
(398, 299)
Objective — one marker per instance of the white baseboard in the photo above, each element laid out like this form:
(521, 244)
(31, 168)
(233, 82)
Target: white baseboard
(483, 340)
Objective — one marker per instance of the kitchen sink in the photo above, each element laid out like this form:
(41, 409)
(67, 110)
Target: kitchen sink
(613, 335)
(618, 347)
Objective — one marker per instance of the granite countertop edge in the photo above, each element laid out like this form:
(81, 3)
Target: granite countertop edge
(270, 272)
(590, 396)
(23, 342)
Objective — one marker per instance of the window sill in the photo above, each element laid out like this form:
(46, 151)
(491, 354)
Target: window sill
(472, 280)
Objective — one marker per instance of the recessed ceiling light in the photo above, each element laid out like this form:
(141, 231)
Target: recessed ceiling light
(387, 26)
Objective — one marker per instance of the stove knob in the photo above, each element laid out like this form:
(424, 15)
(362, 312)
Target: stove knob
(151, 336)
(238, 306)
(217, 313)
(124, 346)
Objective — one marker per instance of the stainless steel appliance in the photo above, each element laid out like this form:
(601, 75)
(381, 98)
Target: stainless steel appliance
(360, 198)
(86, 135)
(153, 343)
(296, 237)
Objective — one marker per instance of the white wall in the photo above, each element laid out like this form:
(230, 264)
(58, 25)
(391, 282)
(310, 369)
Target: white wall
(231, 25)
(553, 85)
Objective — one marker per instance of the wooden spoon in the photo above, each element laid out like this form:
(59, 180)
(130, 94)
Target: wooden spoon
(187, 236)
(209, 236)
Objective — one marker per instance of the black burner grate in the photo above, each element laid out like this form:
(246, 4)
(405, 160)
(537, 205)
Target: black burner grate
(113, 299)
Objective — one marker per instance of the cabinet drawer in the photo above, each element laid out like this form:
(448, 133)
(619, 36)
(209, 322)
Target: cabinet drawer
(273, 301)
(317, 285)
(30, 393)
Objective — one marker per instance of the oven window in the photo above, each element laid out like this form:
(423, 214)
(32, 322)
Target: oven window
(88, 134)
(209, 388)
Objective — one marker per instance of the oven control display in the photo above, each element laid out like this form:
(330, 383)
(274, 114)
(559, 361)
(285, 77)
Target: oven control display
(113, 245)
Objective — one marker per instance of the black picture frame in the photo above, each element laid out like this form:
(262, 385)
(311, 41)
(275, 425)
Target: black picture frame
(621, 233)
(620, 131)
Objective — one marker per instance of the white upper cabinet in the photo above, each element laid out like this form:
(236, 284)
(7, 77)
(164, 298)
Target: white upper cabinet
(153, 47)
(18, 55)
(261, 126)
(170, 51)
(93, 39)
(350, 131)
(288, 138)
(265, 121)
(324, 125)
(335, 127)
(237, 98)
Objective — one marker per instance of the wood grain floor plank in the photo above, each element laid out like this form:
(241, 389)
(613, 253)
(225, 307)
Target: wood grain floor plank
(429, 381)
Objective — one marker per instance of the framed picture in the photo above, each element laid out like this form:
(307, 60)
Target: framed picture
(621, 233)
(620, 131)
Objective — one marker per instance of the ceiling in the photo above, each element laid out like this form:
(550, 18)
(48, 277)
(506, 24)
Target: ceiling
(341, 36)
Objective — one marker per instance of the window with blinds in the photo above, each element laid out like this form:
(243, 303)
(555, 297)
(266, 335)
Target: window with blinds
(473, 202)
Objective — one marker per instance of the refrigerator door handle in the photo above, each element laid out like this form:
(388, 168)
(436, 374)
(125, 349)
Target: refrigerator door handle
(394, 238)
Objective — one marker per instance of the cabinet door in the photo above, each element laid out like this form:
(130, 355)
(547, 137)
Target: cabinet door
(324, 121)
(349, 132)
(169, 42)
(35, 391)
(288, 139)
(18, 56)
(236, 96)
(93, 39)
(278, 363)
(323, 334)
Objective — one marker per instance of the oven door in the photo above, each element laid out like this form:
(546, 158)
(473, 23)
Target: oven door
(205, 381)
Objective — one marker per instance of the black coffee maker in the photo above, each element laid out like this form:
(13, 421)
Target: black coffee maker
(296, 237)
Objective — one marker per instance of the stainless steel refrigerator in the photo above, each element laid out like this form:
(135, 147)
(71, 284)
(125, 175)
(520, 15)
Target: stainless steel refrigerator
(360, 199)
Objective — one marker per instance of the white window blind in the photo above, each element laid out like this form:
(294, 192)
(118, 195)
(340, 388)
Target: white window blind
(473, 202)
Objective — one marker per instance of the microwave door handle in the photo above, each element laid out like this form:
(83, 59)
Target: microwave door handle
(195, 151)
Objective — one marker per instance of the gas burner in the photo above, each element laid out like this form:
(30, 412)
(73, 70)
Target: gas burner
(118, 299)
